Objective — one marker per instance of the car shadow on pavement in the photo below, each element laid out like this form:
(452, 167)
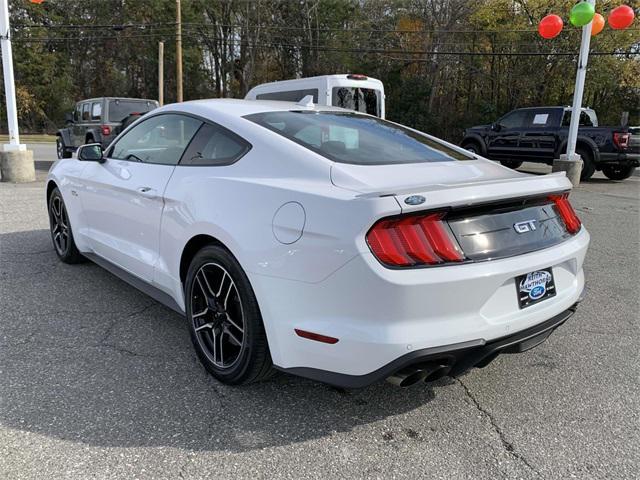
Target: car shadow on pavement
(85, 357)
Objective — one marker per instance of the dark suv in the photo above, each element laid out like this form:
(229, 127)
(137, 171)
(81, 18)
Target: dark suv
(99, 120)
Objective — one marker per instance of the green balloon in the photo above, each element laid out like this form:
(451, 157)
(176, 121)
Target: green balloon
(581, 14)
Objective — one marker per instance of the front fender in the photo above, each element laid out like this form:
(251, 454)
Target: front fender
(65, 134)
(475, 137)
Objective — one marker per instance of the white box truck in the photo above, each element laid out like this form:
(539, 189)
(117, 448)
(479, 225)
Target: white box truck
(351, 91)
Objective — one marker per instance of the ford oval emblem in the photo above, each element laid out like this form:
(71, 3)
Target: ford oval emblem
(415, 200)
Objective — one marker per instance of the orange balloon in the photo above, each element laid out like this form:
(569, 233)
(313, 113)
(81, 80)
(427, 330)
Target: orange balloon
(597, 24)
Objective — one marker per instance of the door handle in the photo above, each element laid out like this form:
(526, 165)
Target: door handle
(147, 192)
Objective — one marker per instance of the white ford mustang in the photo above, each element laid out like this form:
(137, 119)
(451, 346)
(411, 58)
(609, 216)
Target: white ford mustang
(322, 242)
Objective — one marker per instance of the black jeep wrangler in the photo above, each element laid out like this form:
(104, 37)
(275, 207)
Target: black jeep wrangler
(99, 120)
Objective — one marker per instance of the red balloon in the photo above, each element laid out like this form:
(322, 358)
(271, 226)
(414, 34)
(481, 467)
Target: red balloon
(550, 26)
(621, 17)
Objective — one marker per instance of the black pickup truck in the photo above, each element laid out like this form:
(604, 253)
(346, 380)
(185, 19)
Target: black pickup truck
(539, 134)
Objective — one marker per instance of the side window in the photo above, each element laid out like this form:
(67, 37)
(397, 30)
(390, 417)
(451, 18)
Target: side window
(514, 119)
(585, 119)
(214, 146)
(542, 118)
(290, 95)
(96, 111)
(160, 139)
(76, 113)
(85, 112)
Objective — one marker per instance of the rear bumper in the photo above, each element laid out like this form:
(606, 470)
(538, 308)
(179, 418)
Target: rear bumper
(624, 159)
(381, 315)
(454, 359)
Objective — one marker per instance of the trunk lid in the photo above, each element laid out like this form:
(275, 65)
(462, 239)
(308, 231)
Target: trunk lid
(491, 211)
(445, 184)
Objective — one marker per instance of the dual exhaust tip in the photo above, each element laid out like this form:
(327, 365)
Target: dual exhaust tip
(428, 372)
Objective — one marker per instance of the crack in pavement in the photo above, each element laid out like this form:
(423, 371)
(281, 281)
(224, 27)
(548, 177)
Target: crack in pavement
(507, 445)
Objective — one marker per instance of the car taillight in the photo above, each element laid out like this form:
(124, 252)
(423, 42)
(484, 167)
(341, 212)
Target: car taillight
(571, 220)
(106, 129)
(621, 140)
(422, 239)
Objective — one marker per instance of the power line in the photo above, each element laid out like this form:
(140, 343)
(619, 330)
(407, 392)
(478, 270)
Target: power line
(324, 48)
(123, 26)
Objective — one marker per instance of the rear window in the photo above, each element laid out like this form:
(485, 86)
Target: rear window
(356, 139)
(121, 109)
(365, 100)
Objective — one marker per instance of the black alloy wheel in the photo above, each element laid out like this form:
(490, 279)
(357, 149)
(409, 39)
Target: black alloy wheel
(588, 166)
(61, 149)
(511, 163)
(617, 172)
(224, 319)
(60, 227)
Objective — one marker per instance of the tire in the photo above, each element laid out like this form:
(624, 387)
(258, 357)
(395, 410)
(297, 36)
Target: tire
(61, 149)
(472, 147)
(89, 140)
(61, 234)
(511, 163)
(224, 319)
(588, 166)
(617, 172)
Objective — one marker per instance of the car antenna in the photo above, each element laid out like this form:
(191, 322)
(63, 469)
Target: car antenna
(307, 101)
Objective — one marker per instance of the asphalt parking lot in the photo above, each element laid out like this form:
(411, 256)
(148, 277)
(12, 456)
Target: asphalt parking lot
(99, 381)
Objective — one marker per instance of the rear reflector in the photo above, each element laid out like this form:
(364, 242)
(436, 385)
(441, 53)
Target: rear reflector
(414, 240)
(315, 336)
(571, 220)
(106, 130)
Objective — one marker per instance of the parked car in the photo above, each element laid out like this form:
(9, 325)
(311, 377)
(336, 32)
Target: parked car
(540, 134)
(353, 91)
(322, 242)
(99, 120)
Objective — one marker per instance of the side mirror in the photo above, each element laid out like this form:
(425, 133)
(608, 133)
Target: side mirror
(91, 152)
(68, 118)
(496, 127)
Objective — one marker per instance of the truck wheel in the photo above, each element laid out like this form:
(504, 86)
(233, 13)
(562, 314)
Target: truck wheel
(61, 148)
(588, 167)
(617, 172)
(511, 163)
(471, 146)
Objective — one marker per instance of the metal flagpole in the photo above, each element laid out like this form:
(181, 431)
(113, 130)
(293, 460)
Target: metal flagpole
(9, 85)
(16, 162)
(571, 162)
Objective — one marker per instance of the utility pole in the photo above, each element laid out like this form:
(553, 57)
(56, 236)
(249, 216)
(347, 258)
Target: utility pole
(16, 162)
(161, 73)
(571, 163)
(178, 52)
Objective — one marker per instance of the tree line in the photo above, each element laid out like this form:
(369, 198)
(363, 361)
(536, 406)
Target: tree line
(446, 64)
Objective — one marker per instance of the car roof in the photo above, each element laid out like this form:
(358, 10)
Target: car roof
(95, 99)
(239, 108)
